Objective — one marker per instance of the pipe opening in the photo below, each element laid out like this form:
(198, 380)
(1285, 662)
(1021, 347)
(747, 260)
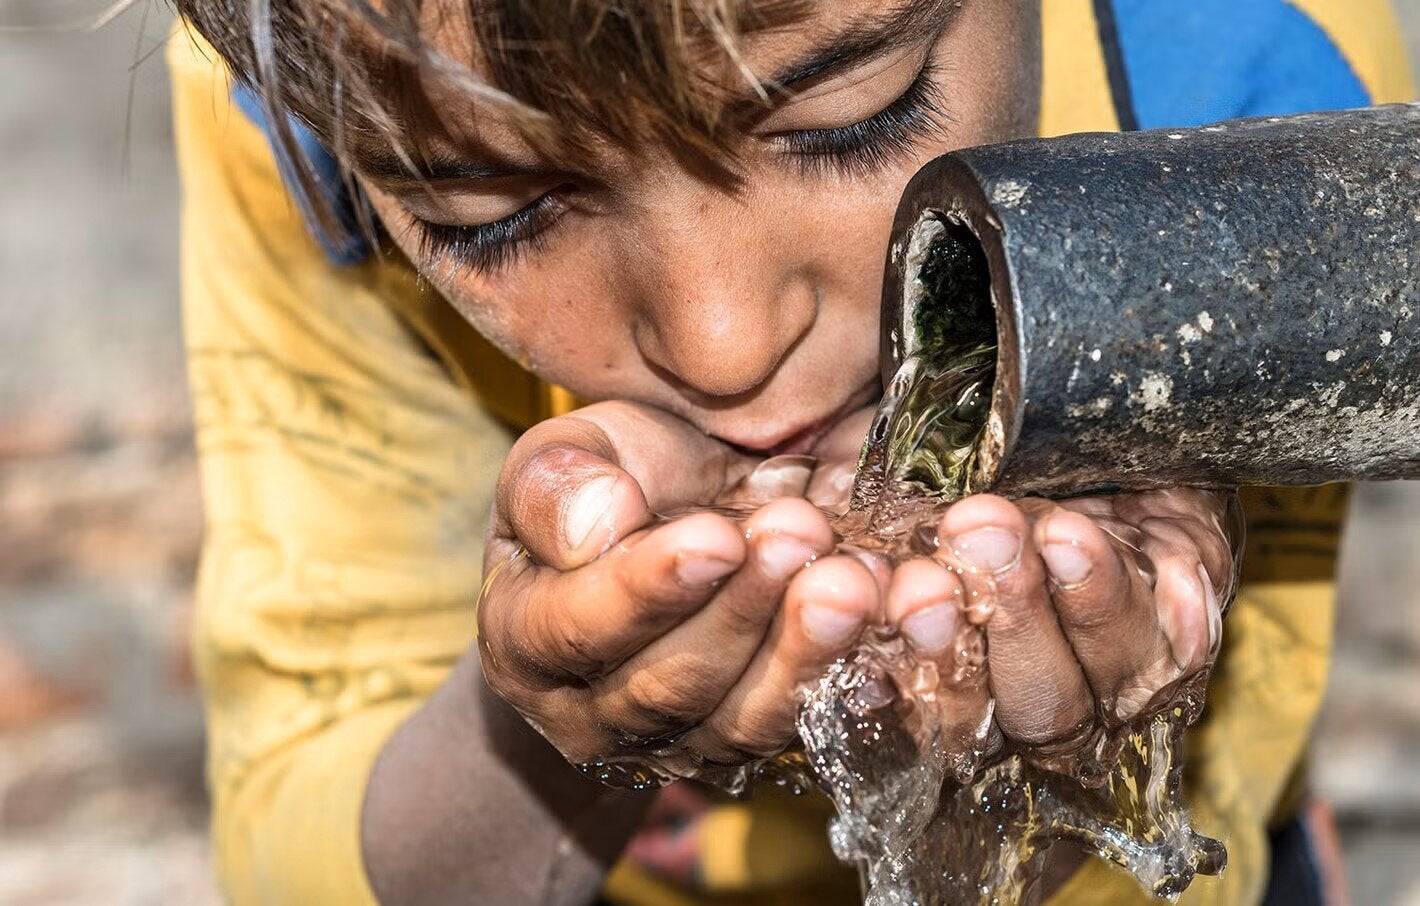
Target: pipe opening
(947, 350)
(954, 311)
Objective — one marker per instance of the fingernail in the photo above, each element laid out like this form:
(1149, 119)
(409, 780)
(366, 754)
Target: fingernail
(1067, 563)
(988, 548)
(782, 476)
(829, 626)
(781, 557)
(694, 571)
(932, 628)
(587, 510)
(1215, 612)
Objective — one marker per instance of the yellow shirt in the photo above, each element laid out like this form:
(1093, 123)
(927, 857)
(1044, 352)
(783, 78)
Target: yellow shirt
(348, 459)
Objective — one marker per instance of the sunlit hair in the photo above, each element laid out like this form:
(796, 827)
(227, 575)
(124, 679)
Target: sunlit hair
(564, 71)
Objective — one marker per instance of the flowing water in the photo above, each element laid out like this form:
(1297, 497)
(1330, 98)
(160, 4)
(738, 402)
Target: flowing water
(934, 806)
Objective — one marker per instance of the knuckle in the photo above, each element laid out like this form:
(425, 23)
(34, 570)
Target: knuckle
(755, 735)
(652, 702)
(651, 597)
(1058, 728)
(1092, 611)
(1019, 604)
(1167, 530)
(575, 651)
(742, 616)
(1044, 709)
(561, 647)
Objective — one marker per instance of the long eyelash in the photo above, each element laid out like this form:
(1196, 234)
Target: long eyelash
(485, 247)
(882, 139)
(856, 150)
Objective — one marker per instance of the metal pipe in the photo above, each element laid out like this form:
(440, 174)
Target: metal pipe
(1228, 305)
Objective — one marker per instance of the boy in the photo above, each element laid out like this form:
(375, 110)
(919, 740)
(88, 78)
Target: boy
(681, 209)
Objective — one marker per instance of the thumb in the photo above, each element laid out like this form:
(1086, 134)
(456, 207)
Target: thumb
(568, 506)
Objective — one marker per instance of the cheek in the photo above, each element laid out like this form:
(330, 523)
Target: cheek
(553, 314)
(851, 228)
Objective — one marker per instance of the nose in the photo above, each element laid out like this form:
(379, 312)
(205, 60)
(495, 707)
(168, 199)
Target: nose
(722, 298)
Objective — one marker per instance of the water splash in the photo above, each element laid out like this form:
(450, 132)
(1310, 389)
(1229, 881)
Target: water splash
(929, 823)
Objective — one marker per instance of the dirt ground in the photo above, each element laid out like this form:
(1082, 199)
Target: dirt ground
(101, 797)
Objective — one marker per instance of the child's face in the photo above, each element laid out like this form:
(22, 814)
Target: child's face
(749, 309)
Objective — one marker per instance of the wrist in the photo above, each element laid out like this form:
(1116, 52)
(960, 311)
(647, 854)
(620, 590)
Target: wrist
(468, 803)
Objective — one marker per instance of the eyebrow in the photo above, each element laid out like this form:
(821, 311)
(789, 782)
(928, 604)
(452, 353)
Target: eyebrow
(867, 38)
(391, 168)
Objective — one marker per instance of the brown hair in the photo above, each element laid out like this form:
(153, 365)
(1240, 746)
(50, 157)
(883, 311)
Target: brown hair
(629, 70)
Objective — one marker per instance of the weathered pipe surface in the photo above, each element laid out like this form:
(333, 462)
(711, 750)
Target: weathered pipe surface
(1228, 305)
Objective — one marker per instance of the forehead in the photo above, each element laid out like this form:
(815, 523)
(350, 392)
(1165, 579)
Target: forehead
(664, 71)
(475, 32)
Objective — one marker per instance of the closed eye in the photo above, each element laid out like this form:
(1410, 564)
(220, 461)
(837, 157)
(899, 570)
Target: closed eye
(864, 147)
(486, 247)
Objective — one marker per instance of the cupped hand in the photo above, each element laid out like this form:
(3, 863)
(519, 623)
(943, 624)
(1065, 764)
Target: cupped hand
(616, 633)
(1094, 609)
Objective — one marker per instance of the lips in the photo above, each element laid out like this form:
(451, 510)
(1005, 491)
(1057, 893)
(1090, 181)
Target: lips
(801, 439)
(804, 440)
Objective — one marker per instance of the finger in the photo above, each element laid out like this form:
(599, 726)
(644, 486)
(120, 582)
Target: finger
(568, 506)
(1041, 692)
(586, 622)
(1184, 595)
(832, 486)
(877, 564)
(1189, 503)
(926, 600)
(1106, 611)
(824, 612)
(572, 486)
(677, 680)
(838, 453)
(675, 463)
(1203, 515)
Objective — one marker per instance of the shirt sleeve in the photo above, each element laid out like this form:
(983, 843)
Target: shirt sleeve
(1207, 60)
(346, 476)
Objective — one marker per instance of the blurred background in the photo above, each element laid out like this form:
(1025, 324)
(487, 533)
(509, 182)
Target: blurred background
(101, 797)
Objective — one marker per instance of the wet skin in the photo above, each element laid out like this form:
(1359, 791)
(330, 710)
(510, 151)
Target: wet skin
(719, 324)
